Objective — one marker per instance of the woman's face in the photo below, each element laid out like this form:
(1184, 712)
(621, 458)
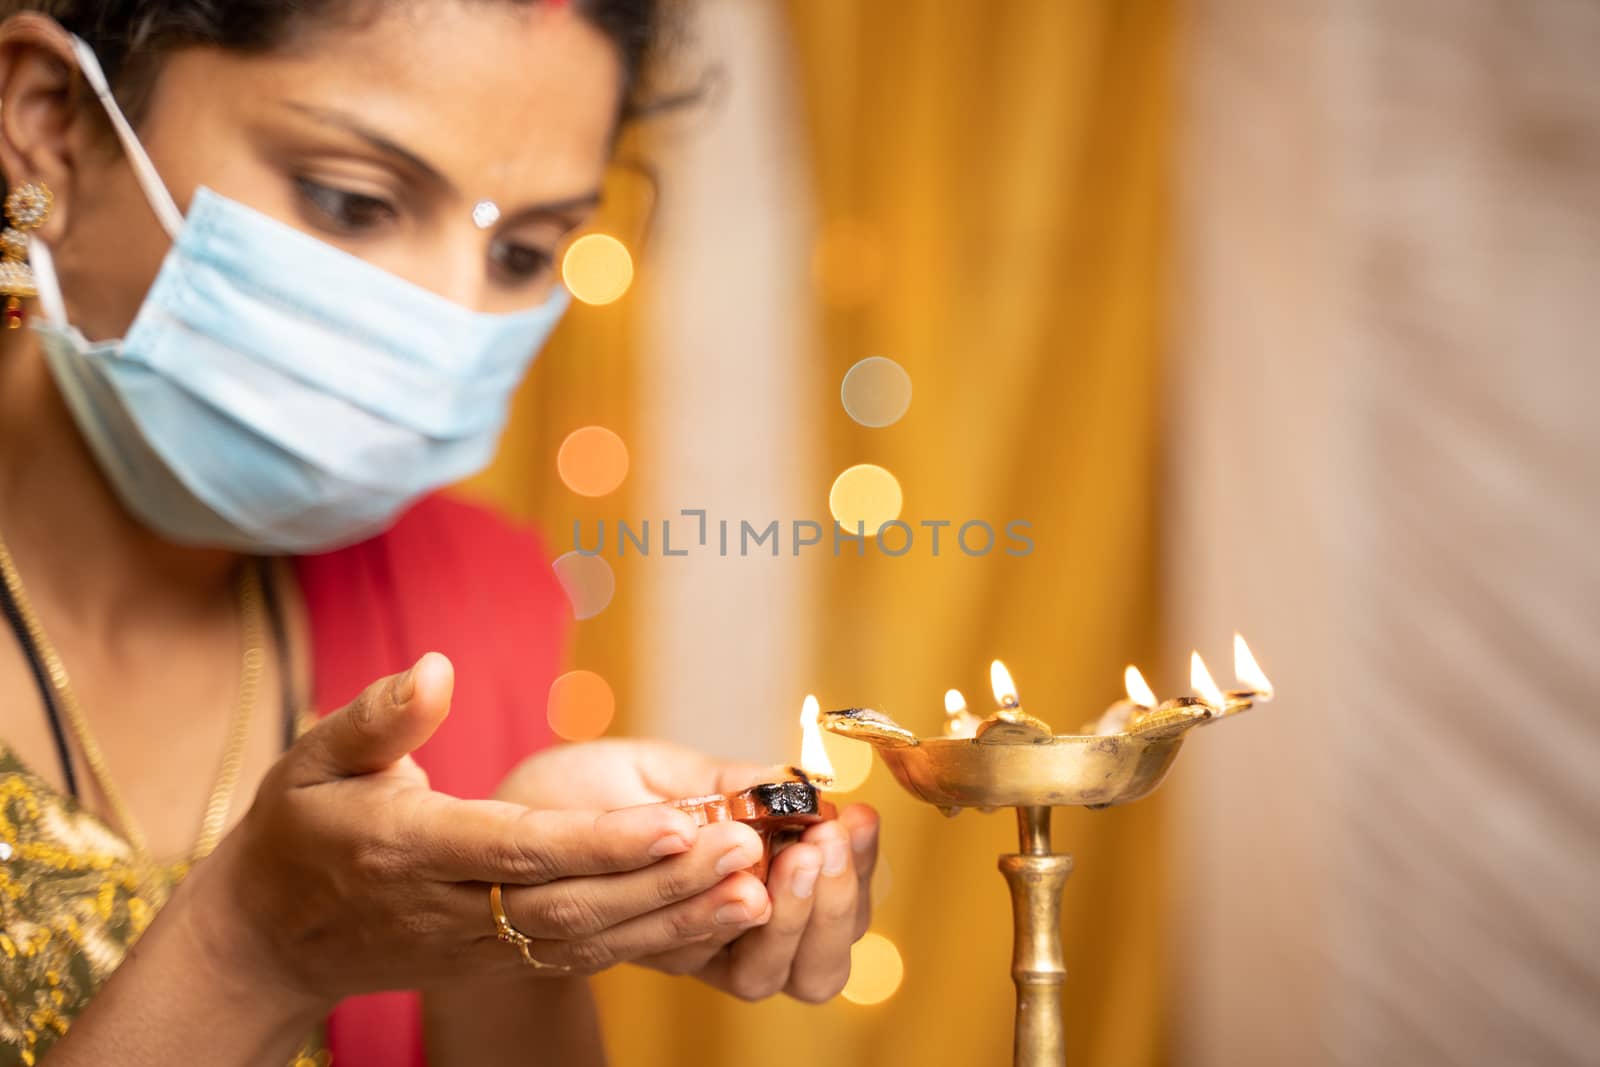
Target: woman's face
(378, 138)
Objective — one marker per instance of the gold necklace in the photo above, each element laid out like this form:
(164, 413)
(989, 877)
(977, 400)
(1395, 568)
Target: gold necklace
(248, 587)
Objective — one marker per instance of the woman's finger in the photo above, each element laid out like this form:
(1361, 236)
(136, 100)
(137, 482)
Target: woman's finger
(785, 886)
(822, 960)
(390, 719)
(861, 822)
(693, 958)
(577, 908)
(758, 965)
(733, 905)
(494, 841)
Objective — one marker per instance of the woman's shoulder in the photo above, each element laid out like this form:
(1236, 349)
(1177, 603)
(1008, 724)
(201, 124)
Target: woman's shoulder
(447, 522)
(448, 547)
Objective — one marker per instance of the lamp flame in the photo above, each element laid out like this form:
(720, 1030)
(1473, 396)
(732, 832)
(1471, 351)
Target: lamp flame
(1139, 690)
(1005, 690)
(958, 721)
(1247, 670)
(1201, 681)
(813, 757)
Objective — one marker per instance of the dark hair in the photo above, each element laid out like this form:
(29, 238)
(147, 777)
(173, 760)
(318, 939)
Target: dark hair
(131, 37)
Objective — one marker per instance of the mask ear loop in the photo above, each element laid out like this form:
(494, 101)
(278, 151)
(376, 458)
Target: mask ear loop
(155, 190)
(46, 285)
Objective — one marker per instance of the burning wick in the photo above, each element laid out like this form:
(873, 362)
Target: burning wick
(1010, 725)
(1248, 671)
(1005, 690)
(1141, 713)
(1139, 690)
(815, 766)
(1120, 715)
(1201, 682)
(958, 721)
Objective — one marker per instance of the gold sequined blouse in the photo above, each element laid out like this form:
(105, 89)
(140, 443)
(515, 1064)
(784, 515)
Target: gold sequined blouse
(73, 899)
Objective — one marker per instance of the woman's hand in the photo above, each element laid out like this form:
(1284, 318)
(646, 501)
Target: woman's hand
(349, 874)
(816, 902)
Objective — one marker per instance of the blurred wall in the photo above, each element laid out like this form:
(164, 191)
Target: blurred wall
(1384, 470)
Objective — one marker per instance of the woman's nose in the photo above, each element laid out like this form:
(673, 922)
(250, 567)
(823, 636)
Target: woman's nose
(458, 271)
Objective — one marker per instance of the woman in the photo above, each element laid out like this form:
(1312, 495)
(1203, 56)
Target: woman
(280, 303)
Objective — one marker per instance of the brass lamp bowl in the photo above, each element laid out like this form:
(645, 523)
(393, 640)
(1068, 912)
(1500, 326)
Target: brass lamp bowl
(1015, 761)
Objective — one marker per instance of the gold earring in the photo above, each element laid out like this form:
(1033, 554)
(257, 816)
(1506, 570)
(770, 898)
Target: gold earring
(27, 208)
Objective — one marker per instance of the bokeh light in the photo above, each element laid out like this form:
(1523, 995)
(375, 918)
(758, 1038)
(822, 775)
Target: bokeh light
(581, 706)
(852, 762)
(597, 268)
(593, 461)
(875, 971)
(876, 392)
(589, 583)
(847, 263)
(866, 495)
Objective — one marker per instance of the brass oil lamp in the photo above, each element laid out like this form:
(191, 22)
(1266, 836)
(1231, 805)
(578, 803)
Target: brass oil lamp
(1013, 760)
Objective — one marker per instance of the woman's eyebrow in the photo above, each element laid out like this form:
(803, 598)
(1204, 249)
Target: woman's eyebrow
(570, 208)
(350, 124)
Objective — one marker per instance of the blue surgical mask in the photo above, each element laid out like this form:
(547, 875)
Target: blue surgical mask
(275, 394)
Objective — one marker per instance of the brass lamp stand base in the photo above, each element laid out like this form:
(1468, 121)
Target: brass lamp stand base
(1036, 878)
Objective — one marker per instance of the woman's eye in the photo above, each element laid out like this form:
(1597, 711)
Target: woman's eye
(519, 263)
(344, 211)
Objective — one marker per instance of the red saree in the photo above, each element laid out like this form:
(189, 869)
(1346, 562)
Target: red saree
(449, 577)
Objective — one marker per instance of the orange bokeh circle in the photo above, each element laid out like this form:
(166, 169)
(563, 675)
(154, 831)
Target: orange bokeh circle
(592, 461)
(581, 706)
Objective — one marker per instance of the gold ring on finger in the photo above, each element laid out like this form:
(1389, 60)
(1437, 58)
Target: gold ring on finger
(504, 931)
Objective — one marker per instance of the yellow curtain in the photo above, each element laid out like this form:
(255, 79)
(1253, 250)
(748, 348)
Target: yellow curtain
(1007, 162)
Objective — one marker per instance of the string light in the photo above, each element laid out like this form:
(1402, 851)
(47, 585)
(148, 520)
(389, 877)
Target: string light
(581, 706)
(865, 496)
(876, 970)
(588, 581)
(876, 392)
(597, 269)
(592, 461)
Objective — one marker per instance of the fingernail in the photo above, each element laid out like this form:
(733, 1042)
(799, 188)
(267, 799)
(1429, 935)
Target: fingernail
(805, 881)
(673, 844)
(733, 914)
(835, 856)
(735, 859)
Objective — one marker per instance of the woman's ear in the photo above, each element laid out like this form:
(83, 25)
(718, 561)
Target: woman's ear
(40, 111)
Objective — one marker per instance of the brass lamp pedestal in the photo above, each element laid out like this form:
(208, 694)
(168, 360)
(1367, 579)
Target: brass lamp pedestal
(1036, 878)
(1012, 760)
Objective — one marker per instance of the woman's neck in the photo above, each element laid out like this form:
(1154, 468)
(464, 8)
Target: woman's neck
(73, 541)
